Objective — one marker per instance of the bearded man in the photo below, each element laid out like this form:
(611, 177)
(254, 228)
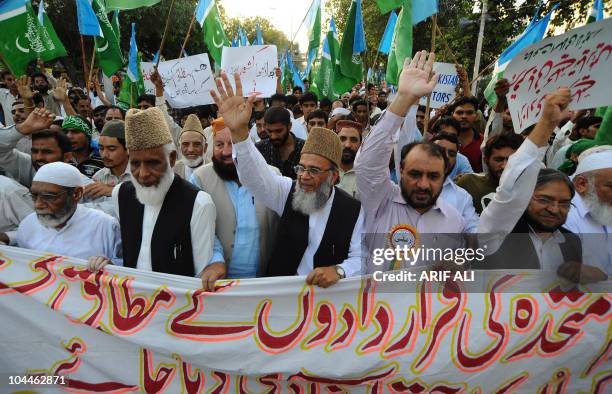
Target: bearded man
(167, 225)
(319, 233)
(591, 213)
(245, 228)
(193, 147)
(60, 225)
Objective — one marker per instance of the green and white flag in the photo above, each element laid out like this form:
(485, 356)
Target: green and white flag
(129, 4)
(22, 39)
(53, 46)
(108, 49)
(324, 79)
(133, 82)
(207, 15)
(350, 70)
(401, 45)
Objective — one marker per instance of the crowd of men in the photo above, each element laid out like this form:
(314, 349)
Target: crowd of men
(291, 185)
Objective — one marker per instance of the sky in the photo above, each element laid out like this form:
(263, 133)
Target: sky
(286, 15)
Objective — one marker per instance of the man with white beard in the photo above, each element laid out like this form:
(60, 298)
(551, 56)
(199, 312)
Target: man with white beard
(591, 214)
(193, 147)
(319, 233)
(62, 226)
(167, 225)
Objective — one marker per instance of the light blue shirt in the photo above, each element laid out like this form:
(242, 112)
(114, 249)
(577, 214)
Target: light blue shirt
(462, 166)
(245, 253)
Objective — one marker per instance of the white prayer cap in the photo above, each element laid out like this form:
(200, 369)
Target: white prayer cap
(59, 173)
(596, 158)
(340, 111)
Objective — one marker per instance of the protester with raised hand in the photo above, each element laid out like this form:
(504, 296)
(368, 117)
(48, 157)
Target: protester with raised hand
(319, 234)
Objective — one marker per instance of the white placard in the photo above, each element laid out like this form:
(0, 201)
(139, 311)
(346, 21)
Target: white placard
(444, 92)
(579, 59)
(187, 81)
(255, 64)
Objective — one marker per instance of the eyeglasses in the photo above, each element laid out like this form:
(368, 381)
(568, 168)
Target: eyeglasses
(550, 202)
(46, 197)
(314, 171)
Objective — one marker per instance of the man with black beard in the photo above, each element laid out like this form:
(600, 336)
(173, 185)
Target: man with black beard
(167, 225)
(245, 228)
(282, 148)
(349, 133)
(319, 233)
(60, 225)
(40, 84)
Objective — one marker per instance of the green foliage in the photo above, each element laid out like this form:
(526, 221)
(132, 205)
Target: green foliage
(150, 23)
(506, 22)
(270, 34)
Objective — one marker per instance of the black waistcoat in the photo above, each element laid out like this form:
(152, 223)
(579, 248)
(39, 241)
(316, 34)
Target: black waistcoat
(292, 236)
(171, 250)
(517, 250)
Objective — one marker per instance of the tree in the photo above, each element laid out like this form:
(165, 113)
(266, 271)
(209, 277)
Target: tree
(505, 23)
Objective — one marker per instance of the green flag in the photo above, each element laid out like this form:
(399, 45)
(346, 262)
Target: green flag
(53, 46)
(131, 90)
(324, 79)
(401, 46)
(108, 50)
(349, 71)
(604, 134)
(115, 25)
(207, 15)
(129, 4)
(388, 5)
(22, 38)
(287, 77)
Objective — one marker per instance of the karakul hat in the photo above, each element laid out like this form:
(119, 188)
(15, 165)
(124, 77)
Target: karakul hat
(324, 142)
(146, 129)
(192, 123)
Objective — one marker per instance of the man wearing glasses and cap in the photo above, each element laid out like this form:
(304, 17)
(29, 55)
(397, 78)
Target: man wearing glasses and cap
(319, 232)
(62, 226)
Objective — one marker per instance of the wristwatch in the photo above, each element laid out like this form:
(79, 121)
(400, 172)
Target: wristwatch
(340, 272)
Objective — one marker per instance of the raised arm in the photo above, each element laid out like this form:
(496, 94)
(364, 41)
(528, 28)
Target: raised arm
(371, 164)
(518, 180)
(269, 188)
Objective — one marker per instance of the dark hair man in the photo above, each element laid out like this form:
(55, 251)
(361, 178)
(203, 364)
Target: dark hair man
(496, 154)
(465, 111)
(282, 149)
(79, 132)
(316, 118)
(308, 103)
(349, 133)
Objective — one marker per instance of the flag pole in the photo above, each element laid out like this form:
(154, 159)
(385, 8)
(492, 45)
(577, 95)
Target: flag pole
(84, 64)
(433, 48)
(187, 36)
(163, 40)
(3, 60)
(93, 59)
(446, 46)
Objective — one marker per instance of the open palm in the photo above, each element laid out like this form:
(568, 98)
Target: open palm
(416, 78)
(235, 110)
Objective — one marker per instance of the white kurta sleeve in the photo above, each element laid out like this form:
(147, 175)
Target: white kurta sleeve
(267, 187)
(515, 189)
(202, 231)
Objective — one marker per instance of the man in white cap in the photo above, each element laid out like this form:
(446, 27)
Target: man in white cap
(319, 233)
(193, 147)
(167, 225)
(60, 225)
(591, 212)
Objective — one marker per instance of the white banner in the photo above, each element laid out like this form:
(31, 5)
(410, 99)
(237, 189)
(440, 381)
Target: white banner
(123, 330)
(255, 64)
(187, 81)
(579, 59)
(444, 92)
